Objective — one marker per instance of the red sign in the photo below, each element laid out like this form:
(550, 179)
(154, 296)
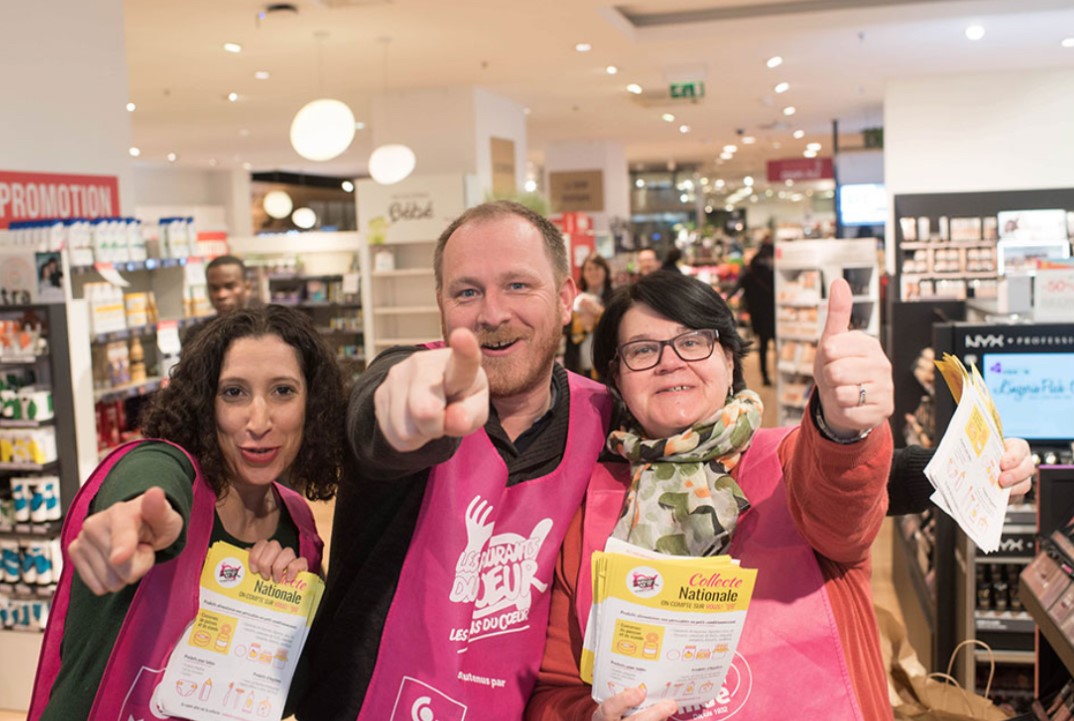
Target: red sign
(41, 196)
(796, 169)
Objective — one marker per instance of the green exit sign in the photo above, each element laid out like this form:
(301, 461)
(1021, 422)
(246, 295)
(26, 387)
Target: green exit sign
(688, 90)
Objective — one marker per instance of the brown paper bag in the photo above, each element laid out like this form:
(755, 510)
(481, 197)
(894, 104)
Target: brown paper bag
(916, 695)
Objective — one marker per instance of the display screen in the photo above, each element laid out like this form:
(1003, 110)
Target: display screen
(863, 204)
(1033, 392)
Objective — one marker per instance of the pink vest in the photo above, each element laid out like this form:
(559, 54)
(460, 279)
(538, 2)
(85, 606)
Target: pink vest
(165, 602)
(466, 629)
(790, 659)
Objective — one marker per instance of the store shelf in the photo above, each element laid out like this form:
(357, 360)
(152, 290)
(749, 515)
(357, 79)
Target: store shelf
(1027, 658)
(408, 310)
(22, 530)
(12, 423)
(404, 273)
(20, 360)
(146, 331)
(17, 467)
(128, 390)
(135, 265)
(291, 303)
(388, 342)
(952, 275)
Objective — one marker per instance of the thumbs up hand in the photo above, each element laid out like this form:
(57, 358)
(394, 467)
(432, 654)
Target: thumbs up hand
(851, 372)
(434, 393)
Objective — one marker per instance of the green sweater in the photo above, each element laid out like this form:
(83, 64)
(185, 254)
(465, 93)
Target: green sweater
(93, 622)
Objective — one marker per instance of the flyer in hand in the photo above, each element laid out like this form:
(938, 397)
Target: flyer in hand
(965, 468)
(237, 658)
(668, 623)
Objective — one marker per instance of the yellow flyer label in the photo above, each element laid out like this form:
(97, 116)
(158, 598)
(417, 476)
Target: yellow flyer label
(682, 586)
(226, 571)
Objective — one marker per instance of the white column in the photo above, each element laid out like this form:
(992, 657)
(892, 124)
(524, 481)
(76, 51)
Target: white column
(64, 90)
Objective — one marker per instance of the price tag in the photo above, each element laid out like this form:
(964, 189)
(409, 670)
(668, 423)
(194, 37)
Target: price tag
(168, 337)
(109, 273)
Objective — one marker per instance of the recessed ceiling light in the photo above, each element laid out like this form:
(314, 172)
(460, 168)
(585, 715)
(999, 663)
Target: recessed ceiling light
(233, 97)
(131, 107)
(782, 87)
(720, 183)
(668, 118)
(810, 153)
(684, 198)
(748, 181)
(799, 134)
(790, 110)
(530, 186)
(135, 152)
(233, 47)
(726, 156)
(704, 181)
(347, 186)
(359, 125)
(634, 88)
(262, 75)
(774, 62)
(611, 70)
(172, 157)
(748, 140)
(812, 146)
(975, 32)
(639, 183)
(1067, 43)
(684, 129)
(583, 47)
(730, 148)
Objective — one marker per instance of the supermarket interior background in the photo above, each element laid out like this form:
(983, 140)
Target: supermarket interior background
(923, 150)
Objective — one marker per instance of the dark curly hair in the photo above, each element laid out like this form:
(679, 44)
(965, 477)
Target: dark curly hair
(678, 297)
(184, 412)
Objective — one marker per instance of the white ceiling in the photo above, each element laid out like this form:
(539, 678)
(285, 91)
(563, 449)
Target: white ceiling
(838, 54)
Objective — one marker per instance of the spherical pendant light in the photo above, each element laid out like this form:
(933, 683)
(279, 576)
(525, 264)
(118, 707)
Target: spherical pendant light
(322, 129)
(277, 204)
(391, 163)
(304, 218)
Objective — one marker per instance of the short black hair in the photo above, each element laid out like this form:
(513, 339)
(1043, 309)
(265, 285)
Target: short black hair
(226, 260)
(678, 297)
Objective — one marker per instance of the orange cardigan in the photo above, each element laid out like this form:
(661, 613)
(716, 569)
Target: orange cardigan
(838, 498)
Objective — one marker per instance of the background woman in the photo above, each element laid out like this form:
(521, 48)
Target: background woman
(596, 290)
(228, 428)
(801, 505)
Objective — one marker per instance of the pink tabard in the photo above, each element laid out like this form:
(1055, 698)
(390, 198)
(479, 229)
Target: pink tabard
(165, 602)
(466, 629)
(790, 661)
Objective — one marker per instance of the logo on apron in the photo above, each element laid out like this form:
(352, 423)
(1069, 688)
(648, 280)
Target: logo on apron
(419, 701)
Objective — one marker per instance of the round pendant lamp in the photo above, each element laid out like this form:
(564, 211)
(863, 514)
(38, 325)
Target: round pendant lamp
(322, 129)
(391, 163)
(277, 204)
(304, 218)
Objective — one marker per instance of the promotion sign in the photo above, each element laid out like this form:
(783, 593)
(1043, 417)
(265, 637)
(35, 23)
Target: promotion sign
(796, 169)
(40, 196)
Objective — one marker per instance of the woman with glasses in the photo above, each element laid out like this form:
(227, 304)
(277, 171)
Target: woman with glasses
(690, 472)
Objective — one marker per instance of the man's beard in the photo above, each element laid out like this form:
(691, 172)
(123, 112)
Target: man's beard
(521, 372)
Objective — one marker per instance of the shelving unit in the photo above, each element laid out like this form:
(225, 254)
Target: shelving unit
(401, 224)
(318, 274)
(947, 244)
(56, 369)
(804, 271)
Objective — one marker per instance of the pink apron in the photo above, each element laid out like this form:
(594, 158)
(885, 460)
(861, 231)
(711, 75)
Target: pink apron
(466, 629)
(165, 602)
(790, 660)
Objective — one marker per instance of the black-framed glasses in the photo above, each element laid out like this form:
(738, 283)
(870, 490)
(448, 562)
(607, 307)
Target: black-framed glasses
(693, 345)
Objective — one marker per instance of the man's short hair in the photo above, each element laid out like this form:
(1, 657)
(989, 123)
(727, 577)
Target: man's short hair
(226, 260)
(553, 238)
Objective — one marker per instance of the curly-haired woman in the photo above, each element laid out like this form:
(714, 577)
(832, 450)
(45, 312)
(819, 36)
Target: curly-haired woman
(230, 427)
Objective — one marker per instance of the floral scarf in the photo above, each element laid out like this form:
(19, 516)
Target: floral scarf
(682, 500)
